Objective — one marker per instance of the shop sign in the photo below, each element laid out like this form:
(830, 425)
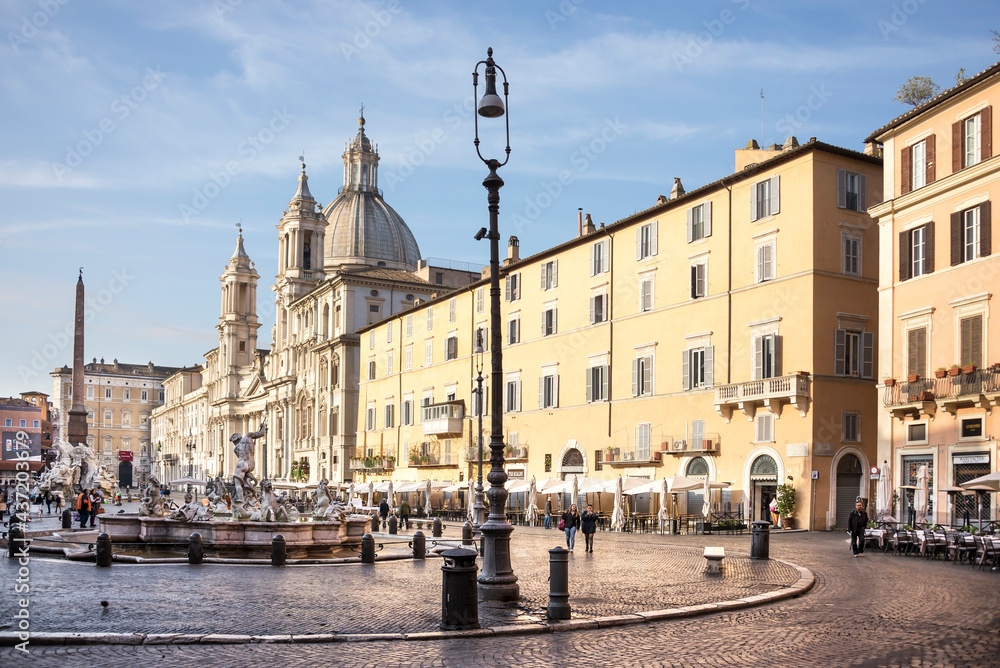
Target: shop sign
(971, 459)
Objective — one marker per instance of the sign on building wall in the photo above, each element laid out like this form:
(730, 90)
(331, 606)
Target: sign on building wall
(15, 442)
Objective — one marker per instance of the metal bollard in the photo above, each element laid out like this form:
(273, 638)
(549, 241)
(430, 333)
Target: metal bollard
(459, 590)
(436, 528)
(376, 523)
(16, 535)
(419, 545)
(558, 584)
(278, 550)
(103, 550)
(368, 549)
(467, 534)
(393, 525)
(196, 549)
(760, 538)
(67, 519)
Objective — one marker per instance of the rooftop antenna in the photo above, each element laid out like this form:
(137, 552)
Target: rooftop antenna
(762, 118)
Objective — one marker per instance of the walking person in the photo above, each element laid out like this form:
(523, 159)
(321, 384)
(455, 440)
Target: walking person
(82, 506)
(588, 524)
(404, 515)
(59, 503)
(548, 512)
(383, 511)
(570, 523)
(773, 507)
(856, 524)
(48, 501)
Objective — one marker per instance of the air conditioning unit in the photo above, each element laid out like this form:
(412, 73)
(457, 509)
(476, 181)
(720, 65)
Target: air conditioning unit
(679, 446)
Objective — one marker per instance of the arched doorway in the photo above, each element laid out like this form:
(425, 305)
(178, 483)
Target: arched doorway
(849, 474)
(696, 468)
(124, 474)
(571, 464)
(764, 486)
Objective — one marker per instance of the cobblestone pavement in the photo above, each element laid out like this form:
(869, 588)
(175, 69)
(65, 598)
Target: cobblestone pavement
(876, 611)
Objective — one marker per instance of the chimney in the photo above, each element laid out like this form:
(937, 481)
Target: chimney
(661, 199)
(678, 188)
(579, 221)
(588, 225)
(790, 143)
(513, 253)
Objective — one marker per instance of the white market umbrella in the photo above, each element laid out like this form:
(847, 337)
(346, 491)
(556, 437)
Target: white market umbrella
(663, 515)
(706, 508)
(532, 515)
(630, 486)
(576, 491)
(388, 497)
(883, 491)
(371, 494)
(618, 515)
(427, 499)
(920, 495)
(471, 500)
(992, 481)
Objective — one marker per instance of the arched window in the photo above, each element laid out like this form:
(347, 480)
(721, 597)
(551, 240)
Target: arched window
(573, 457)
(697, 466)
(364, 176)
(764, 465)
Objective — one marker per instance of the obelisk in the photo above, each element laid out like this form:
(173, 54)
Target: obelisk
(77, 428)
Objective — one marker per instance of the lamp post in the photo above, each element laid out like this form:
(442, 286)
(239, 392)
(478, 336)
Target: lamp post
(479, 508)
(190, 446)
(497, 581)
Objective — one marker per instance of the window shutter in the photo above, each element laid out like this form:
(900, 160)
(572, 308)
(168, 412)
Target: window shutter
(652, 238)
(606, 254)
(753, 202)
(775, 194)
(776, 356)
(986, 133)
(985, 233)
(604, 383)
(694, 281)
(840, 352)
(842, 188)
(506, 288)
(555, 325)
(867, 354)
(702, 281)
(592, 305)
(957, 150)
(904, 256)
(517, 395)
(686, 369)
(758, 358)
(555, 273)
(930, 159)
(545, 319)
(555, 391)
(647, 375)
(544, 267)
(956, 238)
(635, 377)
(690, 214)
(905, 170)
(707, 216)
(589, 380)
(862, 193)
(593, 260)
(638, 242)
(709, 366)
(929, 247)
(541, 392)
(977, 340)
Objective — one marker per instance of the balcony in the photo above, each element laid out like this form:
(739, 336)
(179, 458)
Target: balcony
(708, 444)
(435, 459)
(923, 396)
(620, 458)
(771, 393)
(373, 464)
(443, 419)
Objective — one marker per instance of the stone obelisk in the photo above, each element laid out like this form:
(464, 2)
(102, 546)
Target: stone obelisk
(77, 428)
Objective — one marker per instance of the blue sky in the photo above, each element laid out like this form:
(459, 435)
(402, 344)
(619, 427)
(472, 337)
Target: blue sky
(137, 134)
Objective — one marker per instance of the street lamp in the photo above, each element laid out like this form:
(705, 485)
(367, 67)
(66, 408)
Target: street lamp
(190, 446)
(479, 508)
(497, 581)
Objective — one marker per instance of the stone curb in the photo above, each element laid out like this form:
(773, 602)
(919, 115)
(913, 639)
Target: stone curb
(801, 586)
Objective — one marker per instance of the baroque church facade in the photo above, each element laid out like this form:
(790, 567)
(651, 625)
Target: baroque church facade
(340, 267)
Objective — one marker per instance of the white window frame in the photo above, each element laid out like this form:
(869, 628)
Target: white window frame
(850, 263)
(765, 198)
(143, 395)
(642, 375)
(480, 299)
(428, 352)
(646, 241)
(699, 222)
(643, 441)
(107, 392)
(915, 423)
(390, 415)
(371, 340)
(514, 330)
(646, 293)
(430, 318)
(971, 234)
(512, 393)
(851, 185)
(550, 321)
(972, 137)
(512, 287)
(698, 365)
(550, 275)
(388, 363)
(409, 325)
(918, 165)
(599, 307)
(451, 346)
(918, 251)
(599, 260)
(388, 332)
(548, 389)
(406, 419)
(370, 418)
(971, 439)
(452, 310)
(408, 358)
(854, 353)
(763, 428)
(699, 279)
(766, 356)
(596, 382)
(765, 260)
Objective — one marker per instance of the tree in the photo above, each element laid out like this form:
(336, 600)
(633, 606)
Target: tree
(996, 41)
(917, 90)
(960, 77)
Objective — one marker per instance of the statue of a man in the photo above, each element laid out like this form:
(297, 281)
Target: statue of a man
(243, 478)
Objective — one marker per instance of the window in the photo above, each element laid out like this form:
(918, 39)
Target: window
(370, 419)
(548, 391)
(480, 299)
(971, 235)
(127, 393)
(374, 313)
(481, 337)
(971, 340)
(35, 423)
(645, 241)
(429, 352)
(916, 251)
(850, 244)
(430, 318)
(513, 331)
(409, 325)
(550, 274)
(765, 198)
(512, 395)
(854, 353)
(107, 392)
(549, 322)
(8, 422)
(390, 416)
(371, 340)
(851, 190)
(698, 280)
(451, 347)
(917, 167)
(388, 363)
(916, 433)
(766, 357)
(851, 427)
(643, 431)
(90, 392)
(512, 287)
(764, 432)
(143, 419)
(22, 423)
(408, 358)
(646, 294)
(599, 261)
(971, 140)
(916, 352)
(598, 308)
(597, 383)
(598, 460)
(371, 370)
(388, 332)
(107, 418)
(698, 367)
(407, 412)
(699, 222)
(642, 376)
(126, 418)
(765, 262)
(451, 310)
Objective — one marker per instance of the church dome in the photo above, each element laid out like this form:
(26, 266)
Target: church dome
(361, 227)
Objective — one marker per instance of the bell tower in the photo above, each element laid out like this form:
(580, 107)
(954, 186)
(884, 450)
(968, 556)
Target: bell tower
(300, 243)
(238, 321)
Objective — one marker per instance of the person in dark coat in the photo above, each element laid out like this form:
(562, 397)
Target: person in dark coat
(571, 522)
(383, 511)
(588, 524)
(404, 515)
(856, 524)
(548, 512)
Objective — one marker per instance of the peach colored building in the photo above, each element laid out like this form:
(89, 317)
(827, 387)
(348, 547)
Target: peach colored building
(939, 348)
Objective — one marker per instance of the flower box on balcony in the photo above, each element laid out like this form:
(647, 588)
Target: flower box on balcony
(913, 377)
(955, 371)
(940, 373)
(889, 382)
(969, 369)
(926, 396)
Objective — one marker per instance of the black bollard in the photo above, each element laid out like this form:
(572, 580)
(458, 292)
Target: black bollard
(376, 523)
(419, 545)
(467, 534)
(196, 549)
(459, 590)
(436, 528)
(103, 550)
(15, 541)
(67, 519)
(558, 584)
(393, 525)
(368, 549)
(278, 550)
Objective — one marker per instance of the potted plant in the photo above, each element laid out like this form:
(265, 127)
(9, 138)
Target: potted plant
(786, 504)
(913, 377)
(969, 369)
(889, 382)
(940, 372)
(954, 370)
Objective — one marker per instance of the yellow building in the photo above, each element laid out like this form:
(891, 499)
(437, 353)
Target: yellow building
(728, 332)
(937, 276)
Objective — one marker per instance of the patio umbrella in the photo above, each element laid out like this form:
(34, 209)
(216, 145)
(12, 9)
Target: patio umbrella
(388, 497)
(884, 491)
(662, 515)
(618, 514)
(471, 500)
(532, 515)
(427, 499)
(576, 490)
(992, 481)
(920, 495)
(706, 508)
(371, 494)
(978, 490)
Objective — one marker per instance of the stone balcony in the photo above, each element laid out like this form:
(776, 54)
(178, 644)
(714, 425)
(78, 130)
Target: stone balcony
(373, 464)
(443, 419)
(680, 445)
(621, 458)
(770, 393)
(510, 453)
(921, 397)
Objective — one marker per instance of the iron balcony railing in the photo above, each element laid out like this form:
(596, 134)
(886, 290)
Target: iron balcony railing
(951, 387)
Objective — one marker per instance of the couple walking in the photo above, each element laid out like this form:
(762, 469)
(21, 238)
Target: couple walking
(587, 522)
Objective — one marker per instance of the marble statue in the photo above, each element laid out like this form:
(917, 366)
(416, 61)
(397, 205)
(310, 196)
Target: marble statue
(152, 502)
(243, 478)
(75, 469)
(327, 506)
(191, 511)
(270, 509)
